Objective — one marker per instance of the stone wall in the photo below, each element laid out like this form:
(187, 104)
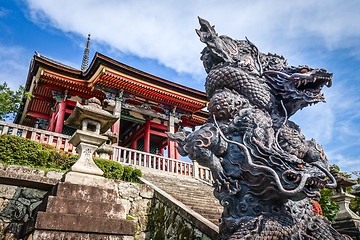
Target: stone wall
(17, 204)
(136, 198)
(155, 214)
(165, 223)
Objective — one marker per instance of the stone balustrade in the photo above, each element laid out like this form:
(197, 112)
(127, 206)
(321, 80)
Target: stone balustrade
(122, 155)
(136, 158)
(59, 141)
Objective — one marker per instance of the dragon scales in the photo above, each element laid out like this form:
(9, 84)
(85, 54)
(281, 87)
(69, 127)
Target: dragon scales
(265, 171)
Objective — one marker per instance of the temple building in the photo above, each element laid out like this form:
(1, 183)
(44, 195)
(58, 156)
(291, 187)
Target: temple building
(148, 106)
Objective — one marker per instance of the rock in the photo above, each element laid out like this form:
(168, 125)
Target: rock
(31, 193)
(9, 192)
(126, 204)
(128, 190)
(140, 236)
(26, 218)
(33, 206)
(142, 221)
(197, 233)
(146, 191)
(3, 203)
(13, 231)
(1, 166)
(24, 201)
(204, 237)
(3, 226)
(140, 207)
(14, 210)
(25, 170)
(55, 175)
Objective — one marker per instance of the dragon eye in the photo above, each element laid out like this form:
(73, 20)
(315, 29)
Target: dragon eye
(300, 165)
(304, 70)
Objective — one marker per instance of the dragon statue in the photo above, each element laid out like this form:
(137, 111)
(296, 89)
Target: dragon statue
(265, 171)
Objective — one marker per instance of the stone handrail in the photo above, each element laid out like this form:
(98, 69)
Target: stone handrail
(133, 157)
(59, 141)
(122, 155)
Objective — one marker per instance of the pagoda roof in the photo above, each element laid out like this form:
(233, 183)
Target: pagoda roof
(108, 75)
(102, 60)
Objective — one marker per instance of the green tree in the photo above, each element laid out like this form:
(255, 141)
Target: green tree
(10, 101)
(355, 203)
(329, 207)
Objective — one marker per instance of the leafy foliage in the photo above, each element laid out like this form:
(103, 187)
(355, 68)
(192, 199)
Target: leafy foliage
(329, 207)
(112, 170)
(10, 101)
(21, 151)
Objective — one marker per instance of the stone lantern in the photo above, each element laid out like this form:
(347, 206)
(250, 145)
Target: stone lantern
(106, 150)
(345, 218)
(92, 122)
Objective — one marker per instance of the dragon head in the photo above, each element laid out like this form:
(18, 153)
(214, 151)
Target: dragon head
(299, 86)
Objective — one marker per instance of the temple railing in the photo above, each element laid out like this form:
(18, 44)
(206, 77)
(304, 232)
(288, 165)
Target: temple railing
(122, 155)
(135, 158)
(59, 141)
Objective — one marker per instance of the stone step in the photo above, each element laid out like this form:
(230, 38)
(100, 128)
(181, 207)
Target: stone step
(85, 208)
(206, 198)
(203, 204)
(177, 185)
(205, 207)
(192, 192)
(87, 193)
(76, 223)
(46, 234)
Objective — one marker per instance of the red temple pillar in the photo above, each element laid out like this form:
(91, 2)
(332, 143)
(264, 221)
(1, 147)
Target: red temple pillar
(147, 136)
(134, 144)
(60, 116)
(52, 122)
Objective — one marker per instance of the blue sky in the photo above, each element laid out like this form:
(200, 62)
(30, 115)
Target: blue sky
(158, 37)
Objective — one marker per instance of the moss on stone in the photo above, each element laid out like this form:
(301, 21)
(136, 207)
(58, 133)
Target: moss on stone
(129, 218)
(159, 216)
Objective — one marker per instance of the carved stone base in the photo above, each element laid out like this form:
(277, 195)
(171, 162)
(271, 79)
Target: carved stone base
(85, 163)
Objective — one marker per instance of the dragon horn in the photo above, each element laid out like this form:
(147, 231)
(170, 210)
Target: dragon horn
(206, 30)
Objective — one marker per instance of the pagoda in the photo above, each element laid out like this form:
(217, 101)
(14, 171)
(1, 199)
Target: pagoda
(147, 105)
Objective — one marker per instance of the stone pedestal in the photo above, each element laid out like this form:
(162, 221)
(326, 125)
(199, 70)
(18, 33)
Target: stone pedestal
(345, 218)
(81, 212)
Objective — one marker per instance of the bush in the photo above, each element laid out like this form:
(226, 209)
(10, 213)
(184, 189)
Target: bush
(21, 151)
(112, 170)
(127, 173)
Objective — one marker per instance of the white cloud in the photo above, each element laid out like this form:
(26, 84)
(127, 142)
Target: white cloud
(164, 30)
(14, 65)
(4, 12)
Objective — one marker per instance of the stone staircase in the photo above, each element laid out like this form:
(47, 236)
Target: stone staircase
(192, 192)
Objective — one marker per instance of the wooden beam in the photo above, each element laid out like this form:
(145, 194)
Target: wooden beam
(158, 133)
(38, 115)
(43, 98)
(158, 126)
